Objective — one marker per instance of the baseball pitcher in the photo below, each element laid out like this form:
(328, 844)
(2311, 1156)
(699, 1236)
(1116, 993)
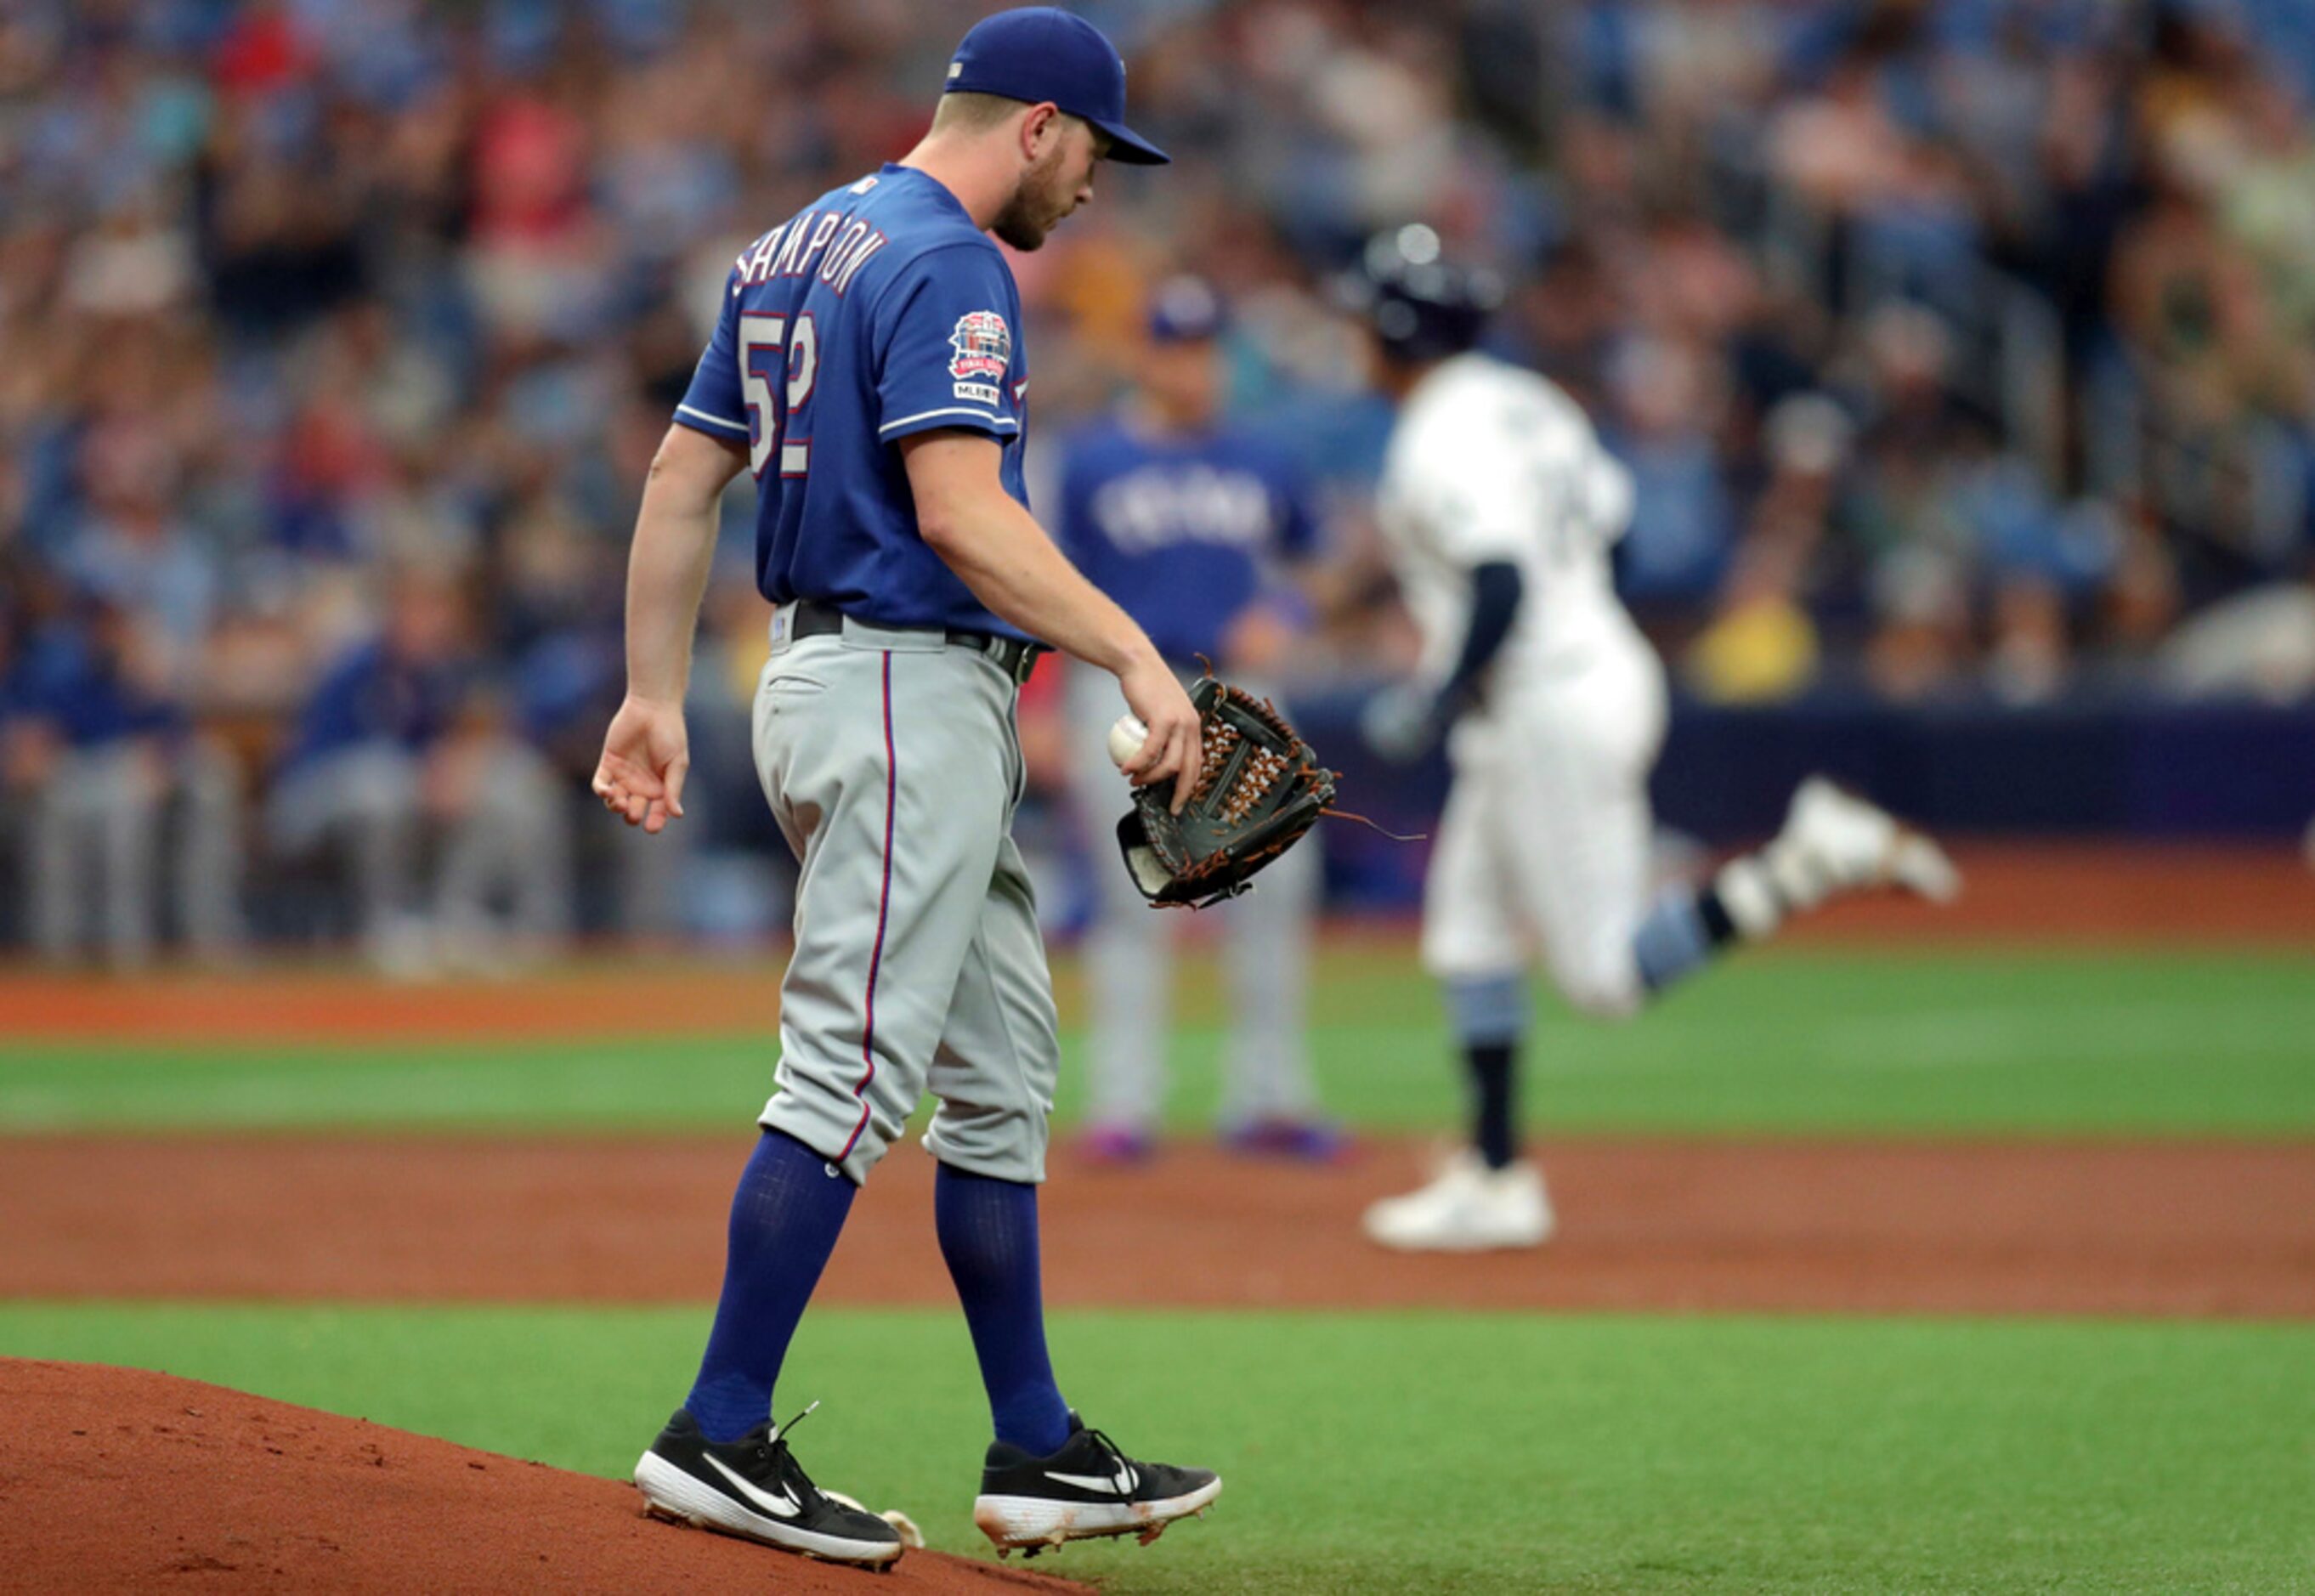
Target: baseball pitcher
(1500, 508)
(867, 368)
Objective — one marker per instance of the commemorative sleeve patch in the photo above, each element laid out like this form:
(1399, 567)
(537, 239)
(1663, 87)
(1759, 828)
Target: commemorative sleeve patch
(983, 348)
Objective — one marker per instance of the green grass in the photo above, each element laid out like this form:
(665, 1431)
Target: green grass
(2001, 1042)
(1425, 1451)
(1432, 1451)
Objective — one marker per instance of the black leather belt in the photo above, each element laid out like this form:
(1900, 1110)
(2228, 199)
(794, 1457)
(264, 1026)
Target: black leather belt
(1010, 655)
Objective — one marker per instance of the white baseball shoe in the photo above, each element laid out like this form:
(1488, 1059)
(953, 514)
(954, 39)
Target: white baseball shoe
(1833, 842)
(1466, 1208)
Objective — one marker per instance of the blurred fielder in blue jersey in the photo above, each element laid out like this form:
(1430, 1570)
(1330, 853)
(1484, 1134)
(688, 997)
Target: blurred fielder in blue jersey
(1188, 525)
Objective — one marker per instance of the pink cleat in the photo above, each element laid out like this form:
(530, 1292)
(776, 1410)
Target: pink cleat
(1303, 1141)
(1114, 1147)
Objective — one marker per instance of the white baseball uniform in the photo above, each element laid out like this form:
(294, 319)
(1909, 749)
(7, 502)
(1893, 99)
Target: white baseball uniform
(1544, 845)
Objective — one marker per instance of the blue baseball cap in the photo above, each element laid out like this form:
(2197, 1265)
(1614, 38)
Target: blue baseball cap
(1185, 310)
(1041, 52)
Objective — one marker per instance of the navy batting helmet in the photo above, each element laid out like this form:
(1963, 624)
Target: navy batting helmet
(1421, 306)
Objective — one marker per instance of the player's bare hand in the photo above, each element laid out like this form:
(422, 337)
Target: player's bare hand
(645, 755)
(1176, 746)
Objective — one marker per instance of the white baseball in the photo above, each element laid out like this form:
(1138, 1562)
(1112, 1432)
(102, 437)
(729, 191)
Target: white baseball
(1125, 739)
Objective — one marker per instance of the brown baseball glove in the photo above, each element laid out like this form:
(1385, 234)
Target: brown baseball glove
(1261, 788)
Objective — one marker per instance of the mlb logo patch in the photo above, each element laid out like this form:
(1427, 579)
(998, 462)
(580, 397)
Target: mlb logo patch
(983, 345)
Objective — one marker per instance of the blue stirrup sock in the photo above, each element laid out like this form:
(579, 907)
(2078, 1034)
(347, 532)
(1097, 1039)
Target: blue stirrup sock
(786, 1217)
(1490, 1015)
(1683, 933)
(988, 1236)
(1488, 1010)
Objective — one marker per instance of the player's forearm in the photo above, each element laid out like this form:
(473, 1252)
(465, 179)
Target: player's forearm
(1497, 591)
(667, 566)
(998, 551)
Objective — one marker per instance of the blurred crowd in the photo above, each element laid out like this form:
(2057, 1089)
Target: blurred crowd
(1959, 347)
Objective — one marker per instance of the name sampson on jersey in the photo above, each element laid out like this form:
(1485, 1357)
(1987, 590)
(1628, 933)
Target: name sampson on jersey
(790, 249)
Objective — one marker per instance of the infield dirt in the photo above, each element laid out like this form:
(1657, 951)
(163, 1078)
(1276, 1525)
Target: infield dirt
(139, 1482)
(2054, 894)
(2164, 1229)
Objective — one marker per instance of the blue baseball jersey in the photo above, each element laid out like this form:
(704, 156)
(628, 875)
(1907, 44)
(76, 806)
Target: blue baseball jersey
(67, 680)
(368, 695)
(877, 312)
(1177, 529)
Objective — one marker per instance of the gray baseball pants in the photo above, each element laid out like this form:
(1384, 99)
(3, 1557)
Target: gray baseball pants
(102, 817)
(893, 763)
(512, 841)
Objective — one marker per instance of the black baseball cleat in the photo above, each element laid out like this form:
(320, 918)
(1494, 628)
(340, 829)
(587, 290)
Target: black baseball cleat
(755, 1488)
(1086, 1489)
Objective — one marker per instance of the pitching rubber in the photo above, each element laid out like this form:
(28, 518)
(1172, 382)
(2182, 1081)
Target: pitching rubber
(670, 1493)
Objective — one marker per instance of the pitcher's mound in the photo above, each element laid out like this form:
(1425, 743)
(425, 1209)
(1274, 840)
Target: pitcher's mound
(118, 1479)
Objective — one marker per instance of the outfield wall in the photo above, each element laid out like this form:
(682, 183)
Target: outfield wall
(2119, 770)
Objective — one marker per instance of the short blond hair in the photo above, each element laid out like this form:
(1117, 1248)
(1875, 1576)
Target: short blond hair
(968, 112)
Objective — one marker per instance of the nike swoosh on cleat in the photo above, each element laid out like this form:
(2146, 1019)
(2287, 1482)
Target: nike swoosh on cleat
(1124, 1484)
(785, 1505)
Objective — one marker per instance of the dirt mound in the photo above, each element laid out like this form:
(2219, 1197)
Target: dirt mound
(115, 1479)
